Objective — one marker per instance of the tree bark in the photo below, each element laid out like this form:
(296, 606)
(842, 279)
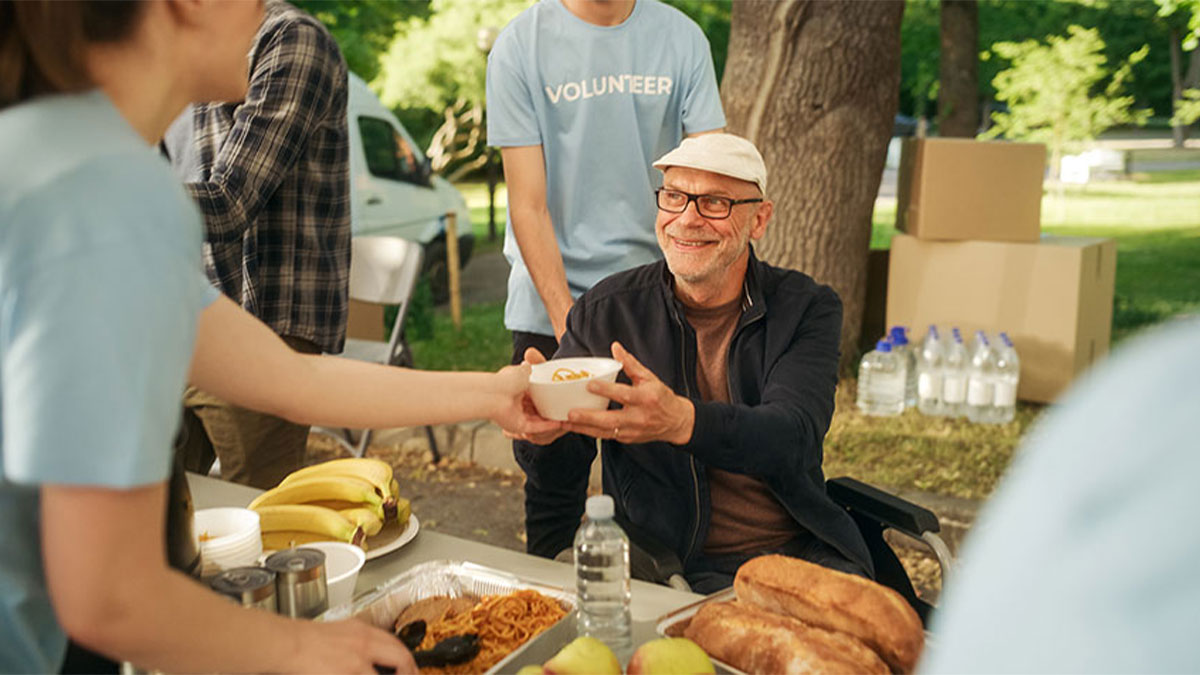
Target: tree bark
(815, 86)
(958, 88)
(1178, 131)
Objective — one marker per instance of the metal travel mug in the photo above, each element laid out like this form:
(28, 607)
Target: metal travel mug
(300, 590)
(247, 586)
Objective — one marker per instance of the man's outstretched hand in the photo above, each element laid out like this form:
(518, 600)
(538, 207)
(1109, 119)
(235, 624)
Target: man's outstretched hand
(649, 411)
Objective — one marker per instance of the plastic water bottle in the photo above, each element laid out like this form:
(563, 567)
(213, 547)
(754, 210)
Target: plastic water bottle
(1008, 376)
(981, 378)
(881, 382)
(929, 374)
(602, 578)
(908, 356)
(954, 377)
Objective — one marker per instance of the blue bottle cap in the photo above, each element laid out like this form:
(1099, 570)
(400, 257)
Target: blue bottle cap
(883, 345)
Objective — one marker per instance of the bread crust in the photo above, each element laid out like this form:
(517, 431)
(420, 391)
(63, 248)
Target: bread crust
(757, 641)
(878, 616)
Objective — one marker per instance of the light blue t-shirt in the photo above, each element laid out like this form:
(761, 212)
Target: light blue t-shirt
(1084, 561)
(101, 282)
(603, 102)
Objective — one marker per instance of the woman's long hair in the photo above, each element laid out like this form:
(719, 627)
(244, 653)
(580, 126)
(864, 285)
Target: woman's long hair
(43, 42)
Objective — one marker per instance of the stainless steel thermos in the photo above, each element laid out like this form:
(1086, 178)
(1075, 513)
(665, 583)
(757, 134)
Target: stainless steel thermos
(300, 590)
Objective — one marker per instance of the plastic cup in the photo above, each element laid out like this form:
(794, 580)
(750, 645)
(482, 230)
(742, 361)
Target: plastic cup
(228, 537)
(342, 564)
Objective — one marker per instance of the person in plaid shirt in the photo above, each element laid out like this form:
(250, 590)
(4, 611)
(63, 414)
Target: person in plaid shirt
(271, 176)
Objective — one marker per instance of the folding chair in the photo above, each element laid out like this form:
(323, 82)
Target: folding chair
(383, 270)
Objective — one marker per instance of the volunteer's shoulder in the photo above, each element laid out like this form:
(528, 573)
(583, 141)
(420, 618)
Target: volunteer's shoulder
(512, 38)
(672, 19)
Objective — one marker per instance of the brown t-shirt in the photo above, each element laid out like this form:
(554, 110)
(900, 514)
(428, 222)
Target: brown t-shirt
(745, 515)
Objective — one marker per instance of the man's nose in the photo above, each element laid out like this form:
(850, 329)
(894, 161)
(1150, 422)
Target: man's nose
(691, 214)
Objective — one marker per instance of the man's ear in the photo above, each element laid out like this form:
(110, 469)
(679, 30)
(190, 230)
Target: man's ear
(761, 217)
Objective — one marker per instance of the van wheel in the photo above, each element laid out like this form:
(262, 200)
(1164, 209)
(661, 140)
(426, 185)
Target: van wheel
(438, 272)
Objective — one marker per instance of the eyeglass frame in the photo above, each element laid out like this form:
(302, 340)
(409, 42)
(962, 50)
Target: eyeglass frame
(691, 198)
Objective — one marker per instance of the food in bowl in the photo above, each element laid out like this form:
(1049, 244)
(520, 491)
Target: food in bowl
(560, 385)
(566, 375)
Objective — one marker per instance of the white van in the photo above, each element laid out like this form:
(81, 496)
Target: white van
(392, 190)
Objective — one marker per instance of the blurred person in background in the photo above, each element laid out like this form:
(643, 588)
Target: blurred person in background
(271, 174)
(1084, 561)
(582, 96)
(103, 298)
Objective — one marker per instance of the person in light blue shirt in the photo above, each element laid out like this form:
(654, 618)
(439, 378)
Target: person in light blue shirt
(1084, 561)
(105, 315)
(582, 96)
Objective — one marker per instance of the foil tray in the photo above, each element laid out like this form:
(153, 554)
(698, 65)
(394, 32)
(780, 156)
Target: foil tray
(671, 624)
(381, 606)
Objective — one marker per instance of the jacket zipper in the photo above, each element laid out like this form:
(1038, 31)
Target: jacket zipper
(687, 391)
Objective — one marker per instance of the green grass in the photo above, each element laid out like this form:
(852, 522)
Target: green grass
(483, 343)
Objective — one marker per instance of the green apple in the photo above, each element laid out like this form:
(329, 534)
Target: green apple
(583, 656)
(670, 656)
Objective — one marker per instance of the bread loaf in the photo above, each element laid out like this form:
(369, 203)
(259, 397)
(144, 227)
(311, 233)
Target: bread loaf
(846, 603)
(757, 641)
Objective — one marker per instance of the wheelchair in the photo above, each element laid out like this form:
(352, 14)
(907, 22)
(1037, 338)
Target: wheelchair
(873, 510)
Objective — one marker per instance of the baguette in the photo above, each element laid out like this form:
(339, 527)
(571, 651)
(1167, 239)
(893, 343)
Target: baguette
(846, 603)
(757, 641)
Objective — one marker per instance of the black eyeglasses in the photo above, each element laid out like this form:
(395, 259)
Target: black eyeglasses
(709, 206)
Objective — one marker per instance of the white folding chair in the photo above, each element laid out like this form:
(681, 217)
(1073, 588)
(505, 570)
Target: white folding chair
(384, 271)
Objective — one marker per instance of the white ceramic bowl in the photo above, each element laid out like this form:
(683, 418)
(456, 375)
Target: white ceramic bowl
(554, 399)
(342, 563)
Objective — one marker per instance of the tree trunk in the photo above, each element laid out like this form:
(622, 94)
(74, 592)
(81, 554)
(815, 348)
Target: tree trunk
(815, 86)
(1178, 131)
(958, 89)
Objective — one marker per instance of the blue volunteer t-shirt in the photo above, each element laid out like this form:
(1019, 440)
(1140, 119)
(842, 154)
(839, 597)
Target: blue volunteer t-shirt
(101, 282)
(603, 102)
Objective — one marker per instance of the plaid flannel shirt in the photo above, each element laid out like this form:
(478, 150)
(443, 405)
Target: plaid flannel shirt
(272, 179)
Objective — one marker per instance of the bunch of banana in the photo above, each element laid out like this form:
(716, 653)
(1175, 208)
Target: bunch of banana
(341, 500)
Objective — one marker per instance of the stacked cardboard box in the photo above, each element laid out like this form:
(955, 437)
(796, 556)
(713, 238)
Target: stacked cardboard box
(973, 257)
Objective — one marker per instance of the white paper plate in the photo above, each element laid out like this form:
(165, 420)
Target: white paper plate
(391, 537)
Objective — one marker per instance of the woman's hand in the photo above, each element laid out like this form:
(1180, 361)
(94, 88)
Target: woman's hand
(517, 414)
(351, 646)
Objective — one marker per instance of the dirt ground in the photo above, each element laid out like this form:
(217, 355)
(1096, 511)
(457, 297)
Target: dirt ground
(487, 505)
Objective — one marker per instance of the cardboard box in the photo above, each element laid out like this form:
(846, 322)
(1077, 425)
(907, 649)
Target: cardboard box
(955, 189)
(365, 321)
(1054, 298)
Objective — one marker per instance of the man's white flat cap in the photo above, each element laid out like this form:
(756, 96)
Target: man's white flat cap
(723, 154)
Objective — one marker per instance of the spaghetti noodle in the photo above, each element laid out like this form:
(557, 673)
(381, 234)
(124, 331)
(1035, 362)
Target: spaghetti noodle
(566, 375)
(502, 622)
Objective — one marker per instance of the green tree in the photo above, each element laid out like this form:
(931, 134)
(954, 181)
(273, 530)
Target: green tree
(1054, 94)
(364, 28)
(713, 17)
(435, 60)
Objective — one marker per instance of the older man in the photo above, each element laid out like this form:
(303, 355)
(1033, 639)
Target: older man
(716, 446)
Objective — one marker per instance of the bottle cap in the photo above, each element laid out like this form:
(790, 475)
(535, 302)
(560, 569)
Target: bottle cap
(982, 337)
(1004, 338)
(883, 345)
(933, 330)
(600, 507)
(898, 336)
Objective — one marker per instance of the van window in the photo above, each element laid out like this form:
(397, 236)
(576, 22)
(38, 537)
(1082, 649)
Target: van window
(389, 154)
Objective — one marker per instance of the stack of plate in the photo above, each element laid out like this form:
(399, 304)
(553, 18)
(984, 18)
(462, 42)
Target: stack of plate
(228, 538)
